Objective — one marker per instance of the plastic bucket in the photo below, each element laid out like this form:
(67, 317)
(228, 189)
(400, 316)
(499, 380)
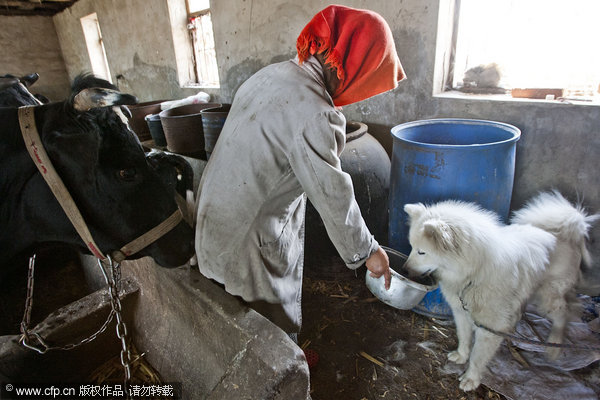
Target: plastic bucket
(439, 159)
(138, 114)
(213, 120)
(156, 129)
(183, 129)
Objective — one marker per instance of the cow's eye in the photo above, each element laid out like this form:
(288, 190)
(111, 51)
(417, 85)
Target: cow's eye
(420, 252)
(127, 174)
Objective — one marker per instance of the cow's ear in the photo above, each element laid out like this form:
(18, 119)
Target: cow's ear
(101, 97)
(7, 82)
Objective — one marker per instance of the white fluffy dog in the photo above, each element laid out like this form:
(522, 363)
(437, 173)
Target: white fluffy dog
(488, 271)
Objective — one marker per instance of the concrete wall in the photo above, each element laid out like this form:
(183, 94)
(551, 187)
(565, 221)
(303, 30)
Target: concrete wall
(137, 40)
(558, 148)
(30, 44)
(179, 321)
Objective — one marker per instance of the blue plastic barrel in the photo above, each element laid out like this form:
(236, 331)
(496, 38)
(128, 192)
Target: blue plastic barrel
(440, 159)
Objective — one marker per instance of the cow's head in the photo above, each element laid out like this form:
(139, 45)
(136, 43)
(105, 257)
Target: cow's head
(120, 192)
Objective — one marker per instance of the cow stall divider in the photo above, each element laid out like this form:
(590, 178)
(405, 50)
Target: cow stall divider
(42, 161)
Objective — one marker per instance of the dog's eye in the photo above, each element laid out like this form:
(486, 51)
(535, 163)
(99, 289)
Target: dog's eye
(419, 252)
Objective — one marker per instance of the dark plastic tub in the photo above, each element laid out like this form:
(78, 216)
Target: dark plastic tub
(156, 129)
(183, 129)
(138, 114)
(213, 120)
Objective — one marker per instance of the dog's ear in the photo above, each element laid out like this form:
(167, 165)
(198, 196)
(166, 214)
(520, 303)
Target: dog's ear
(414, 211)
(442, 234)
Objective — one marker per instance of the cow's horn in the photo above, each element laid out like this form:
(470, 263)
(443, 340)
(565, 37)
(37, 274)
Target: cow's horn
(30, 79)
(101, 97)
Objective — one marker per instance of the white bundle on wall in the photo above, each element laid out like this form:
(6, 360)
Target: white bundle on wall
(200, 97)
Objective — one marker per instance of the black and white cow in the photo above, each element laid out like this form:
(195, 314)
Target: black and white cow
(120, 191)
(14, 90)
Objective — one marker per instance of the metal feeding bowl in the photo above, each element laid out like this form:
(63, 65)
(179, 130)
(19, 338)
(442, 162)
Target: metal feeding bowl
(404, 293)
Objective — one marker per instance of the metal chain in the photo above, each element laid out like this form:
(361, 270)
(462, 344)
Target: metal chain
(28, 301)
(519, 338)
(537, 342)
(26, 335)
(113, 282)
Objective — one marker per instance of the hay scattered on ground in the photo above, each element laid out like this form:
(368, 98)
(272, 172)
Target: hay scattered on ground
(112, 371)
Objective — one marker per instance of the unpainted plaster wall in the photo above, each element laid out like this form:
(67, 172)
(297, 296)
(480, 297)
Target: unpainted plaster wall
(30, 44)
(559, 143)
(137, 40)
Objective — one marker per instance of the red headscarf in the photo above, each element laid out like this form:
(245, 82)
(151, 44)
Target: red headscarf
(359, 44)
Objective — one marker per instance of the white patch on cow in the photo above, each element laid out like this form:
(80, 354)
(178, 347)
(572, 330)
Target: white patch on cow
(125, 120)
(111, 98)
(121, 114)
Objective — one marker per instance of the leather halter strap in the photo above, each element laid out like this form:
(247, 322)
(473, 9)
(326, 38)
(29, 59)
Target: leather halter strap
(39, 156)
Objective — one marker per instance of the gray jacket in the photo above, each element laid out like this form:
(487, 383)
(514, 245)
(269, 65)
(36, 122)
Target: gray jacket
(281, 142)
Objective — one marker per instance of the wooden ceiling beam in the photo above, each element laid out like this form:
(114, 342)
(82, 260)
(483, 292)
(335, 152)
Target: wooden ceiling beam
(33, 7)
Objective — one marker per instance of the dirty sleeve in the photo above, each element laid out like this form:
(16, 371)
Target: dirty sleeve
(315, 161)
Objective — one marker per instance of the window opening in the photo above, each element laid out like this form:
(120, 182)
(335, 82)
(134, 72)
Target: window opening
(201, 33)
(526, 48)
(95, 46)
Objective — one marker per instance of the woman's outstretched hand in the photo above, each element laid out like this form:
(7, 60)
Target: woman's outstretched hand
(379, 264)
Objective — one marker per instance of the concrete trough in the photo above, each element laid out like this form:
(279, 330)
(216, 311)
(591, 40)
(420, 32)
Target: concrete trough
(191, 331)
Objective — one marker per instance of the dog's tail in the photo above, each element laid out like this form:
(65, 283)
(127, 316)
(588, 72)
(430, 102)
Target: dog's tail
(553, 213)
